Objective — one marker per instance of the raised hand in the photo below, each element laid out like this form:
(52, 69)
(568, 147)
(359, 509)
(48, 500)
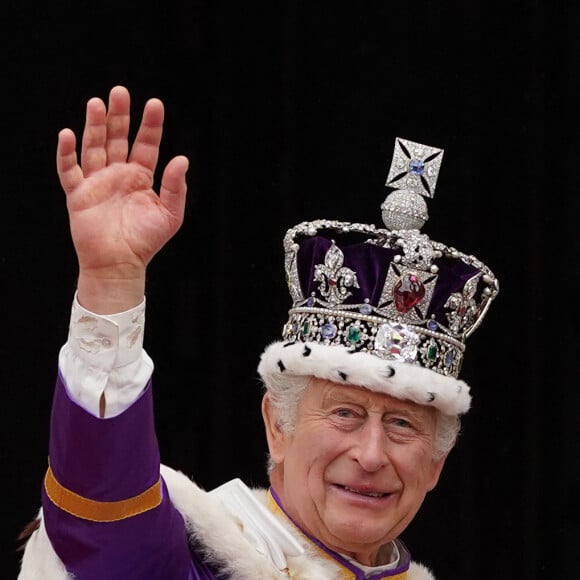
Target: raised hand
(118, 222)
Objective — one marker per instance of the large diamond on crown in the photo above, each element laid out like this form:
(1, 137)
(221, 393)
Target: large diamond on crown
(396, 341)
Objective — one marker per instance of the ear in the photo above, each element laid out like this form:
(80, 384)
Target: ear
(274, 434)
(436, 469)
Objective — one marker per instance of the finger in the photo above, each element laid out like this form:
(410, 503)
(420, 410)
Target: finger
(67, 167)
(93, 153)
(174, 188)
(145, 150)
(117, 145)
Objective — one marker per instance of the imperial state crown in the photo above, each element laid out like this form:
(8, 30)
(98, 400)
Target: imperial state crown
(395, 296)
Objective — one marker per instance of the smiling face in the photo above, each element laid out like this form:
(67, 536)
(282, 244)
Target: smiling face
(357, 466)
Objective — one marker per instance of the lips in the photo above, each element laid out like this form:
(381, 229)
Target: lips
(364, 492)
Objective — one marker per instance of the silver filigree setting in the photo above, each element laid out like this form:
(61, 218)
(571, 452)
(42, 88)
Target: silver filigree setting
(418, 250)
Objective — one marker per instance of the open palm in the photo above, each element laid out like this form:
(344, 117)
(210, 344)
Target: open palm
(118, 222)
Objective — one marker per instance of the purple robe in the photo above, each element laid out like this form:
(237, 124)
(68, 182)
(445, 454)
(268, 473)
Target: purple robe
(114, 460)
(111, 460)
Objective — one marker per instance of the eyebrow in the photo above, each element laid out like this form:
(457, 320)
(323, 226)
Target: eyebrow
(339, 395)
(363, 399)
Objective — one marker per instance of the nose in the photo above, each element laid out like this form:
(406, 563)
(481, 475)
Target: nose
(370, 450)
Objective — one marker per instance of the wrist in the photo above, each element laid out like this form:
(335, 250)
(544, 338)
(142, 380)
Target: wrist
(110, 292)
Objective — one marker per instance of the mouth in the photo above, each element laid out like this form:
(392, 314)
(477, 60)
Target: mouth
(364, 492)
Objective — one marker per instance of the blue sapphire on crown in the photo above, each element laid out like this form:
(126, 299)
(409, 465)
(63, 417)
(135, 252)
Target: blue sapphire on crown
(416, 166)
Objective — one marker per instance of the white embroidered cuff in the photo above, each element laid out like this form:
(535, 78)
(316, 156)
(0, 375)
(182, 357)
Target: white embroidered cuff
(107, 341)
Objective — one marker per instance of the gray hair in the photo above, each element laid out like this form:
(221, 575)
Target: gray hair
(286, 392)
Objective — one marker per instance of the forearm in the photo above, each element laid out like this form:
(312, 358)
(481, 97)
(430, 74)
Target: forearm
(106, 510)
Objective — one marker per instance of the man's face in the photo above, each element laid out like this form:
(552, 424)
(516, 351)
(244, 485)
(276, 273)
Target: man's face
(357, 466)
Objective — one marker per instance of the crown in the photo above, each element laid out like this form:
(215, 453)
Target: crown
(398, 294)
(394, 293)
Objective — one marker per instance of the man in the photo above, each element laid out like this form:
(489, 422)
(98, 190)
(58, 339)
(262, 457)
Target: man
(361, 399)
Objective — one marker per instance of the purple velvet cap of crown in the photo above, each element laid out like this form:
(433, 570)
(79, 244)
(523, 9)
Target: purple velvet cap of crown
(371, 265)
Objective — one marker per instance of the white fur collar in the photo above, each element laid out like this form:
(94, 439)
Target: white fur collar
(208, 524)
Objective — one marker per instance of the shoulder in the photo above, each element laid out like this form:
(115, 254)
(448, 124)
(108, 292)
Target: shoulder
(220, 534)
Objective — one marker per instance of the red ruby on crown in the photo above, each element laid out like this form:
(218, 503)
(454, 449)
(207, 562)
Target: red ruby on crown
(408, 292)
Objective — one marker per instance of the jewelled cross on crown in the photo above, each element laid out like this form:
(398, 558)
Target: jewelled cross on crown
(413, 174)
(414, 167)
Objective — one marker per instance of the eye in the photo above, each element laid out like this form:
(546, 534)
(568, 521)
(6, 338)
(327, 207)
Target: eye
(345, 418)
(399, 425)
(348, 414)
(345, 413)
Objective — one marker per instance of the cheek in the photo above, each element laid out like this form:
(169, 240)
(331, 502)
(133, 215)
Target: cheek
(316, 449)
(415, 468)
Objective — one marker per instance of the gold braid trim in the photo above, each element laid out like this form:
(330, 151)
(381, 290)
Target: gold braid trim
(100, 511)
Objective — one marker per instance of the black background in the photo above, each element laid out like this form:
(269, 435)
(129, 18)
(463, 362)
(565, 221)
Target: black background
(288, 112)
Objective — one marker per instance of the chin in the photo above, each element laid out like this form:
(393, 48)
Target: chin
(353, 537)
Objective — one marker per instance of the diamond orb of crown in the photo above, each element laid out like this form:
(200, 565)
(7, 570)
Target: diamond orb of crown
(404, 210)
